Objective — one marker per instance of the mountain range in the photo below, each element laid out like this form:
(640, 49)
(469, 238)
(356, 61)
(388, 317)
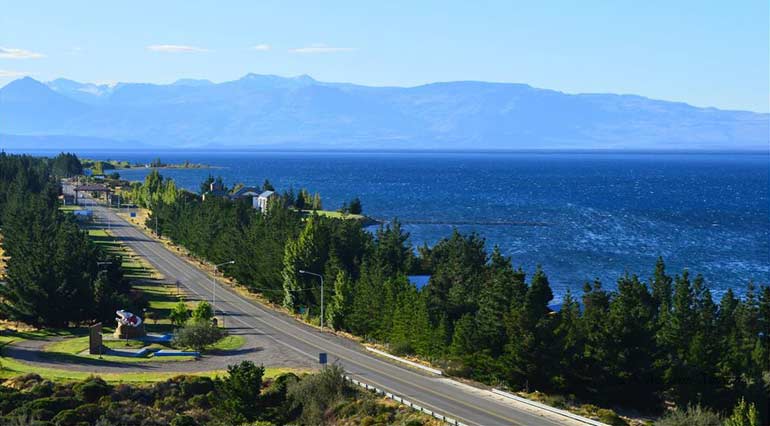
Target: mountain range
(302, 113)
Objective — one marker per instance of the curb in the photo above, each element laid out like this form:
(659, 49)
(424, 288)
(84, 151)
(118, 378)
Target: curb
(549, 408)
(405, 361)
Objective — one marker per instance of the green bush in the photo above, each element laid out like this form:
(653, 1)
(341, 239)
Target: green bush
(557, 401)
(743, 415)
(91, 389)
(693, 415)
(237, 394)
(183, 420)
(316, 393)
(46, 408)
(198, 335)
(275, 393)
(66, 418)
(86, 413)
(193, 385)
(200, 401)
(609, 417)
(401, 349)
(10, 399)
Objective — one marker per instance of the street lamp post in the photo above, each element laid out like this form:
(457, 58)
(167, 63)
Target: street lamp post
(214, 289)
(322, 291)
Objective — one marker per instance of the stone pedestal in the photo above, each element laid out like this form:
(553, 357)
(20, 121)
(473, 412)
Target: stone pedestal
(129, 332)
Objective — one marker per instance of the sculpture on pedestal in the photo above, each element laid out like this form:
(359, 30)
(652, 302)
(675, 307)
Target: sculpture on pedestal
(130, 326)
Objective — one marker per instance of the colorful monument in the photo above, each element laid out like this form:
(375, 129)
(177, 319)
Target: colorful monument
(130, 326)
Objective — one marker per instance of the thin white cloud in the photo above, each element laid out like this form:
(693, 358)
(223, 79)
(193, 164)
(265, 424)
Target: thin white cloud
(10, 53)
(321, 48)
(12, 74)
(262, 47)
(175, 48)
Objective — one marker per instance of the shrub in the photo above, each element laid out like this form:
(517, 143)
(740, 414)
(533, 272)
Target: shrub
(183, 420)
(610, 417)
(401, 349)
(693, 415)
(193, 385)
(91, 389)
(87, 413)
(10, 399)
(24, 382)
(45, 408)
(198, 335)
(168, 403)
(66, 417)
(743, 415)
(200, 401)
(275, 393)
(316, 393)
(42, 389)
(237, 394)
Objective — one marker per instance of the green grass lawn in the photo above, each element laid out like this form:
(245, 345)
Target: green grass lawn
(11, 368)
(228, 343)
(70, 208)
(134, 267)
(335, 214)
(74, 350)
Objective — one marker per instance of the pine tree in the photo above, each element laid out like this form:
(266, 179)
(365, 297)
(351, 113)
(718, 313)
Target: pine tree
(402, 336)
(763, 358)
(703, 355)
(532, 344)
(30, 293)
(631, 345)
(307, 252)
(676, 336)
(571, 342)
(368, 303)
(341, 303)
(391, 250)
(465, 339)
(495, 301)
(593, 373)
(661, 288)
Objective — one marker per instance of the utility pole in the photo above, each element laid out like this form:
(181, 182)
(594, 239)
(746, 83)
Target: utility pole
(322, 292)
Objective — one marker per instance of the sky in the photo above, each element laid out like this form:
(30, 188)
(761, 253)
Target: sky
(705, 52)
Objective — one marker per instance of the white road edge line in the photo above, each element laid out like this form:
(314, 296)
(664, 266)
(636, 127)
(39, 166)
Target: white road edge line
(149, 245)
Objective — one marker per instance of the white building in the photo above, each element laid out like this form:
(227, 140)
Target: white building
(263, 200)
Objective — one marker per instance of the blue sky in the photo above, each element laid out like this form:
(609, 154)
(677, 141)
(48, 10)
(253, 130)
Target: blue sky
(706, 52)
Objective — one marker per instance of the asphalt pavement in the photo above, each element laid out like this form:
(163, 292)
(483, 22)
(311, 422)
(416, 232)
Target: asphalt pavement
(469, 405)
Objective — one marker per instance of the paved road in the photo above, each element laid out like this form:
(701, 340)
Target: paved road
(466, 404)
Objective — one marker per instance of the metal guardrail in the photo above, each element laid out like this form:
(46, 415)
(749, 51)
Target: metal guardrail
(445, 419)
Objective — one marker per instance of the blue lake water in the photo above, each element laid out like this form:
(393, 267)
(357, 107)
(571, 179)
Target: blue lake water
(579, 215)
